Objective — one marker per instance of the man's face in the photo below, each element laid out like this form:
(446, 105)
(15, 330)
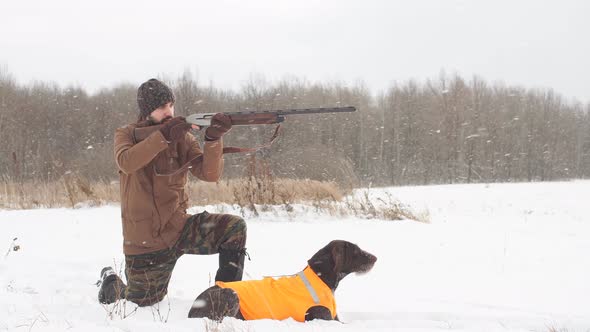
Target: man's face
(162, 113)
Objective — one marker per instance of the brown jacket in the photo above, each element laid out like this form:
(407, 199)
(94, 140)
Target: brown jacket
(153, 208)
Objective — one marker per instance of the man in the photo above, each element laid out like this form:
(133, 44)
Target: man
(153, 177)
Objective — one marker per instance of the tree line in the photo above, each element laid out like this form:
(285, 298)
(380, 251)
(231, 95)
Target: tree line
(444, 130)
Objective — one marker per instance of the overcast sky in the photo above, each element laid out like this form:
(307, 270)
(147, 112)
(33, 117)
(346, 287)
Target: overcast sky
(96, 44)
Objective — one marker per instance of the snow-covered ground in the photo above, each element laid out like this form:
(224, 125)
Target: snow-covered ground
(498, 257)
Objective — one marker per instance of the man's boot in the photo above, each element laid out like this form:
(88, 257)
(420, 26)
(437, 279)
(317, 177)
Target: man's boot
(231, 265)
(111, 286)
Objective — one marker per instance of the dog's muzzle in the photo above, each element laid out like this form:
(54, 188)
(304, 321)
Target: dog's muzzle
(367, 262)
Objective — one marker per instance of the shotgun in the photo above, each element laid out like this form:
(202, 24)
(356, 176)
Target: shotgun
(244, 118)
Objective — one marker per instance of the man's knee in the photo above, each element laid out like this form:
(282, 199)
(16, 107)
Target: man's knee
(234, 233)
(239, 230)
(233, 225)
(241, 225)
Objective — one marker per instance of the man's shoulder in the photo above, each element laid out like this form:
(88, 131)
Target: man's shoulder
(127, 127)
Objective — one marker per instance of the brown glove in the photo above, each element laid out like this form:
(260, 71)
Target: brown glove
(220, 124)
(175, 129)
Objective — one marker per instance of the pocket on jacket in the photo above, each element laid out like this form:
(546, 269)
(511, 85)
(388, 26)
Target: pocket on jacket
(176, 181)
(167, 161)
(138, 233)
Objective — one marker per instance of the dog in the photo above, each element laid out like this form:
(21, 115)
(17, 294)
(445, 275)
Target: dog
(304, 296)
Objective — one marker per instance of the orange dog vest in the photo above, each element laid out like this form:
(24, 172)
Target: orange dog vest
(283, 297)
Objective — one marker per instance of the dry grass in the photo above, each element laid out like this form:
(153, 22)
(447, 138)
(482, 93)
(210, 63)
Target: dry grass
(553, 329)
(119, 309)
(387, 208)
(254, 191)
(251, 194)
(362, 206)
(70, 191)
(75, 191)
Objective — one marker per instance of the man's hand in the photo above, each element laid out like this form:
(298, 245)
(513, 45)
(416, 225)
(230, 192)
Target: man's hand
(175, 129)
(220, 124)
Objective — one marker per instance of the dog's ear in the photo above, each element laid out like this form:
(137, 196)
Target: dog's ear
(337, 252)
(321, 258)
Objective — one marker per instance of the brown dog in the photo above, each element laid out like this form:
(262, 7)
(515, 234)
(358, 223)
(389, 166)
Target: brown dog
(304, 296)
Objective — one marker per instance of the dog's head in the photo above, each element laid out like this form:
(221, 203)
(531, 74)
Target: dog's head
(338, 259)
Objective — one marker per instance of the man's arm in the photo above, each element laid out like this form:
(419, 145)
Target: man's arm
(210, 166)
(131, 157)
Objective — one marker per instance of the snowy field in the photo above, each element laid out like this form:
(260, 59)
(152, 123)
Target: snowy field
(498, 257)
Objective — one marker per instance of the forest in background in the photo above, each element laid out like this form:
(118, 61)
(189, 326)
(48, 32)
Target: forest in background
(444, 130)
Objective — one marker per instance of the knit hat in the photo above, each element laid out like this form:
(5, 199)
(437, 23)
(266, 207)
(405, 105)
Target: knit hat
(152, 95)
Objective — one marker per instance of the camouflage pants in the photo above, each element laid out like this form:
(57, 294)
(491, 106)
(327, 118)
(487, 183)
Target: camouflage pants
(148, 274)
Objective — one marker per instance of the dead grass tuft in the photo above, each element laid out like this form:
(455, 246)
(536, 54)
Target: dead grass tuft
(553, 329)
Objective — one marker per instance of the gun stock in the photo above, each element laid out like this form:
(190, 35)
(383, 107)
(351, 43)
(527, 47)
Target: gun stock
(139, 134)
